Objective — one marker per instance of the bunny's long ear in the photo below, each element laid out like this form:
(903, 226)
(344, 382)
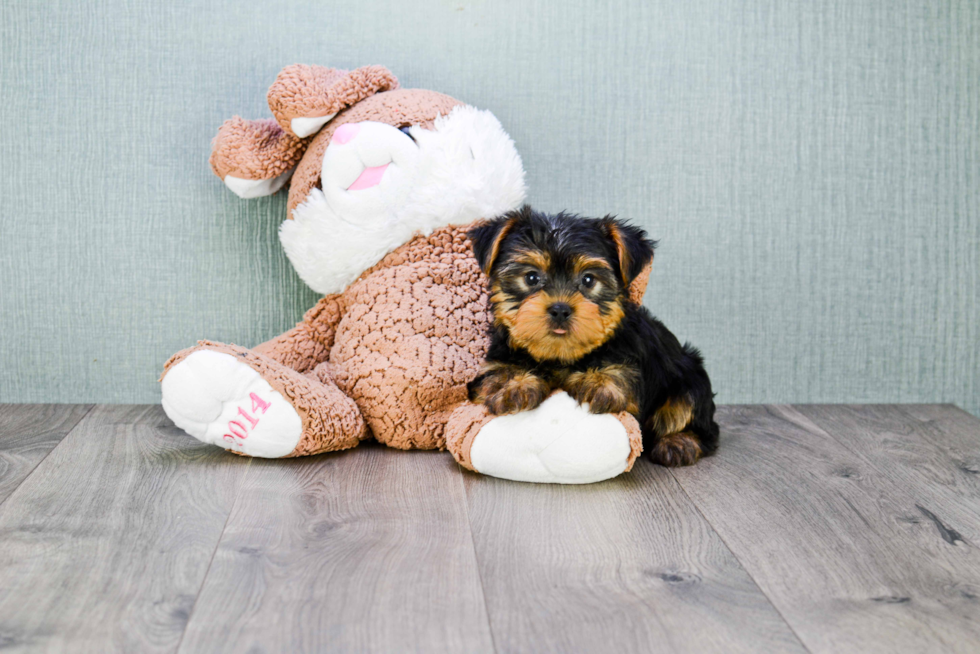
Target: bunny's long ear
(304, 98)
(254, 157)
(257, 157)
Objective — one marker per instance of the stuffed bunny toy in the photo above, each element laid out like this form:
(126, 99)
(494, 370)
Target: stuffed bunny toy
(384, 183)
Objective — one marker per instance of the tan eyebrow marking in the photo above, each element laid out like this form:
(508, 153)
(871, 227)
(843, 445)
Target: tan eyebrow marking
(584, 263)
(538, 259)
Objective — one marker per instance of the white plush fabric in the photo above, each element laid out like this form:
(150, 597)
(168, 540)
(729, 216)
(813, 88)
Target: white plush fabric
(203, 394)
(465, 168)
(248, 189)
(559, 442)
(303, 127)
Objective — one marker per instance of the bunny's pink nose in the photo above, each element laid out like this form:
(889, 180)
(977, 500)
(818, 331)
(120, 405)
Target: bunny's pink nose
(345, 133)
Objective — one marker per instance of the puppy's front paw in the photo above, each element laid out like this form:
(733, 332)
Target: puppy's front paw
(679, 449)
(510, 390)
(607, 390)
(601, 399)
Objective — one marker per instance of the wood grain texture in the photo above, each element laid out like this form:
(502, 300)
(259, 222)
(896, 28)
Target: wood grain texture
(365, 550)
(835, 535)
(917, 457)
(105, 546)
(830, 528)
(28, 432)
(628, 565)
(957, 434)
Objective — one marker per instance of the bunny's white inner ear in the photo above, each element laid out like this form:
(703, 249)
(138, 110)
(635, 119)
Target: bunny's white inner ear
(248, 189)
(303, 127)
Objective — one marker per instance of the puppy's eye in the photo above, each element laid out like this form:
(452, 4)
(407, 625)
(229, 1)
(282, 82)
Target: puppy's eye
(588, 280)
(532, 279)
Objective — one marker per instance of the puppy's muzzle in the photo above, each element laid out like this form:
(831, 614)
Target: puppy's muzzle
(560, 313)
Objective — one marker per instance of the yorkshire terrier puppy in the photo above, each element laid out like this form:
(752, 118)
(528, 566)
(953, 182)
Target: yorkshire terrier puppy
(563, 319)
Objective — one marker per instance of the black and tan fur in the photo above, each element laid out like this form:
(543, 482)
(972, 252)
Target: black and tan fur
(562, 319)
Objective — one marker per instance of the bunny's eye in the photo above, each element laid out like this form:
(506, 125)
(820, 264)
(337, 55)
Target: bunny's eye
(405, 129)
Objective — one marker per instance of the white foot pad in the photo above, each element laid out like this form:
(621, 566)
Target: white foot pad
(218, 399)
(559, 442)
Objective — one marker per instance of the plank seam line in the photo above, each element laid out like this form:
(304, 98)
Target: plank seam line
(476, 557)
(217, 544)
(740, 563)
(43, 458)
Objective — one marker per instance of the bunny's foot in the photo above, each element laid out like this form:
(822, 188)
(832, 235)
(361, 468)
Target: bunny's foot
(558, 442)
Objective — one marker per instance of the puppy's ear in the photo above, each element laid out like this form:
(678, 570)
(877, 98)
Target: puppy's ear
(487, 237)
(633, 248)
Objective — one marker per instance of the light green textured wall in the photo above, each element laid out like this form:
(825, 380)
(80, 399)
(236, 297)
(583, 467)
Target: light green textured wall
(812, 168)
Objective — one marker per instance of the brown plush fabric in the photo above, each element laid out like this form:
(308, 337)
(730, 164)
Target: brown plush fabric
(254, 149)
(397, 108)
(297, 348)
(413, 334)
(266, 148)
(636, 439)
(309, 342)
(392, 354)
(464, 425)
(639, 285)
(331, 420)
(302, 91)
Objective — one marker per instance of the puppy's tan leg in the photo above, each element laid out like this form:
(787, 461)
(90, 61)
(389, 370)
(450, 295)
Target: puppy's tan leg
(675, 445)
(606, 390)
(505, 389)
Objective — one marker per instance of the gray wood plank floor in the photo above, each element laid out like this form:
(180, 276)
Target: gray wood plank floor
(366, 550)
(815, 528)
(823, 518)
(625, 565)
(29, 432)
(104, 547)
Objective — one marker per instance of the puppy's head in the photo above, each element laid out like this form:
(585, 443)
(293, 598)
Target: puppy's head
(558, 282)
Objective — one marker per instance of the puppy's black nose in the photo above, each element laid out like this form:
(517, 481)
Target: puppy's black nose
(560, 312)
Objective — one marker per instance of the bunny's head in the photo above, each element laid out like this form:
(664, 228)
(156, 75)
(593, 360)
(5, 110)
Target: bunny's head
(369, 165)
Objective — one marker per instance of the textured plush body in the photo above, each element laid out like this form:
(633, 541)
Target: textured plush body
(401, 343)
